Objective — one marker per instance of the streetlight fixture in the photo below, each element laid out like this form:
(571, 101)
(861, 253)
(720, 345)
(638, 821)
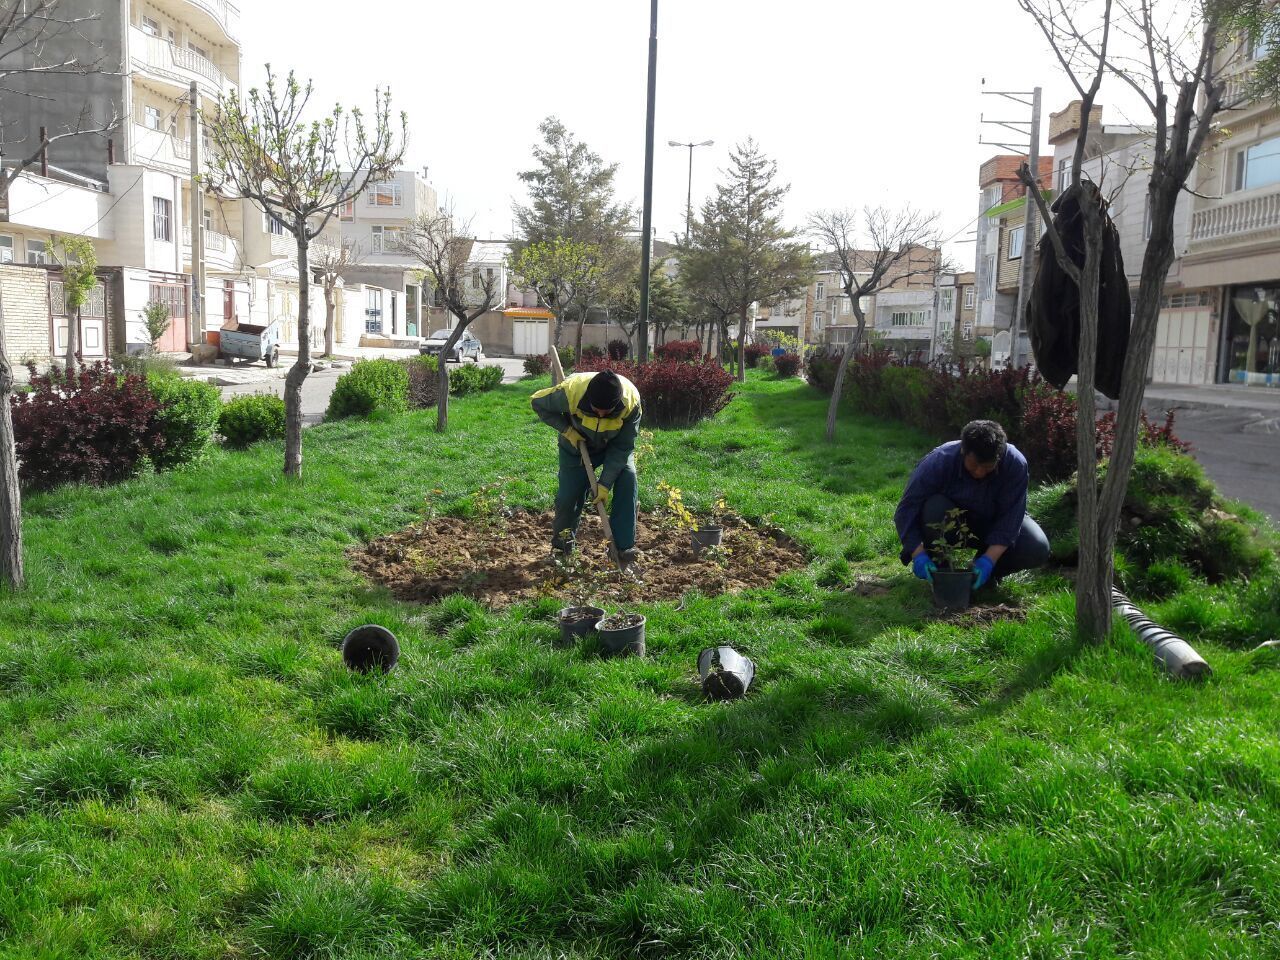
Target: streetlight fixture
(688, 216)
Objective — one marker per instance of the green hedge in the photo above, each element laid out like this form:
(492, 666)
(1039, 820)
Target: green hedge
(474, 379)
(188, 418)
(368, 387)
(246, 420)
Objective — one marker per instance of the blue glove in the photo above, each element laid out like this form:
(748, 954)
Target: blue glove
(922, 566)
(982, 569)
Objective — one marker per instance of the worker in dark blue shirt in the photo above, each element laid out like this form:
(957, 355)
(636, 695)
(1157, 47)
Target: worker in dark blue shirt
(985, 476)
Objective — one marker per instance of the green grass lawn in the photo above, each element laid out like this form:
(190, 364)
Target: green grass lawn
(188, 771)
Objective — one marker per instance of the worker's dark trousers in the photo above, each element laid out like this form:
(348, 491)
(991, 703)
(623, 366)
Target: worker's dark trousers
(573, 492)
(1029, 551)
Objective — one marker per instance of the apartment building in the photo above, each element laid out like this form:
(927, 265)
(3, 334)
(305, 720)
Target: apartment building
(386, 276)
(132, 193)
(1001, 241)
(1223, 325)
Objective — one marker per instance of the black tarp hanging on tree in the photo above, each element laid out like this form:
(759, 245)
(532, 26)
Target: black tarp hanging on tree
(1053, 309)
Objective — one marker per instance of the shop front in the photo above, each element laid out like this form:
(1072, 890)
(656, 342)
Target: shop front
(1251, 344)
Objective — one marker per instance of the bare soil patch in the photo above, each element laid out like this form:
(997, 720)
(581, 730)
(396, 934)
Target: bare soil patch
(501, 561)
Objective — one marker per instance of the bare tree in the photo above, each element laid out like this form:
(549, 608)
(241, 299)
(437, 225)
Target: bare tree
(1176, 57)
(444, 247)
(266, 151)
(891, 243)
(30, 48)
(330, 260)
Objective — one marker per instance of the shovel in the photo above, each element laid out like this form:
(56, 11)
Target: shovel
(603, 513)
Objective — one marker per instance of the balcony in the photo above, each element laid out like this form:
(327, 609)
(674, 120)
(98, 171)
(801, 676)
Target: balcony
(159, 150)
(175, 65)
(1246, 218)
(223, 12)
(220, 251)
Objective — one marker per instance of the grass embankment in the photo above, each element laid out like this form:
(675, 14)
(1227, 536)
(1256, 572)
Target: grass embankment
(188, 771)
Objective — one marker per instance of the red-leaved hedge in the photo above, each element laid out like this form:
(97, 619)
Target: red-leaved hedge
(96, 427)
(685, 351)
(787, 364)
(618, 349)
(757, 350)
(941, 398)
(674, 393)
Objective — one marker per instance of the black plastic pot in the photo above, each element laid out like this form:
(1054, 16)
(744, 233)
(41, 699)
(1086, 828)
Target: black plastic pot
(624, 641)
(370, 648)
(952, 589)
(576, 622)
(705, 537)
(725, 673)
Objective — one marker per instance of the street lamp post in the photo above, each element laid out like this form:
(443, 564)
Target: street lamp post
(688, 215)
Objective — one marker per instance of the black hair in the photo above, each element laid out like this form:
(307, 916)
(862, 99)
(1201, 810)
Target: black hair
(985, 439)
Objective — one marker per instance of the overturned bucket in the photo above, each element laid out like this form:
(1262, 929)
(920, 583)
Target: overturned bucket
(726, 674)
(370, 648)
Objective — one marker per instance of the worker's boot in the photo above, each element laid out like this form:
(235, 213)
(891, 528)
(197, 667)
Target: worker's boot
(562, 546)
(627, 557)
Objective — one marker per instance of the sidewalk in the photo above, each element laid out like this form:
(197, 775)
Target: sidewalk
(1219, 396)
(242, 373)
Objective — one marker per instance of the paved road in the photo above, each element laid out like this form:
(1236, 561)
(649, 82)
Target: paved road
(1240, 451)
(317, 387)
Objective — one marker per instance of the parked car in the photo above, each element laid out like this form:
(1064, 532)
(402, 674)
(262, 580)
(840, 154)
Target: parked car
(467, 346)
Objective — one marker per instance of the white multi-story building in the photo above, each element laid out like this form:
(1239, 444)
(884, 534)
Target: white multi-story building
(132, 193)
(386, 278)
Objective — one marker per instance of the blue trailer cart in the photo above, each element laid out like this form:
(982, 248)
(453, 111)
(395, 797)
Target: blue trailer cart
(250, 342)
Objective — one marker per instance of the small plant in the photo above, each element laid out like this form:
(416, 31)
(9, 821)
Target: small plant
(423, 381)
(673, 514)
(249, 419)
(592, 352)
(368, 387)
(952, 549)
(644, 446)
(537, 365)
(155, 319)
(474, 379)
(618, 349)
(718, 554)
(566, 358)
(490, 503)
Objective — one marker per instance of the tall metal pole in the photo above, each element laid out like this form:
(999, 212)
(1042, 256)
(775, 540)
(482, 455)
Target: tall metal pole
(647, 220)
(1030, 239)
(195, 335)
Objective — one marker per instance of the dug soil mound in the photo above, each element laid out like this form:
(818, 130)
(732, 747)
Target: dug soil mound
(505, 560)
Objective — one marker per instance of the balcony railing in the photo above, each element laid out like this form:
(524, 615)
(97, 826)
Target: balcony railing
(1229, 220)
(214, 242)
(226, 13)
(178, 64)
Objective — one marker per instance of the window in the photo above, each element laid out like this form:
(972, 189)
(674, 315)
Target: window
(967, 333)
(6, 249)
(150, 27)
(1258, 165)
(988, 279)
(991, 197)
(817, 321)
(775, 310)
(373, 310)
(197, 50)
(475, 278)
(1261, 47)
(968, 298)
(1064, 174)
(347, 211)
(151, 118)
(162, 218)
(387, 194)
(1016, 236)
(386, 239)
(820, 291)
(37, 252)
(948, 300)
(275, 225)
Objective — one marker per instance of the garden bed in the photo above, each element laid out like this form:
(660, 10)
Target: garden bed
(505, 560)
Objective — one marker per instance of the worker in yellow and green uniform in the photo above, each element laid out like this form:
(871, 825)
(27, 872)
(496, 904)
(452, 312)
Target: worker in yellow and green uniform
(601, 410)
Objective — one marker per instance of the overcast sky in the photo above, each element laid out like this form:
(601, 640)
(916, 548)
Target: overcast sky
(859, 103)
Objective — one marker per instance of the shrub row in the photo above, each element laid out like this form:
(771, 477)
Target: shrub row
(370, 386)
(674, 393)
(941, 398)
(682, 351)
(252, 418)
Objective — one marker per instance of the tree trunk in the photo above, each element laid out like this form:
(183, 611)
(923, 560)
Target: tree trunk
(299, 371)
(73, 342)
(330, 311)
(11, 574)
(850, 349)
(442, 374)
(577, 340)
(1094, 572)
(742, 345)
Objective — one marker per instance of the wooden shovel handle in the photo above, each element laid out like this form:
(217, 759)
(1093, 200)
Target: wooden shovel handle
(600, 510)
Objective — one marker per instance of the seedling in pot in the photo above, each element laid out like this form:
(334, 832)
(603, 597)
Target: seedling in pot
(622, 633)
(582, 584)
(708, 530)
(953, 554)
